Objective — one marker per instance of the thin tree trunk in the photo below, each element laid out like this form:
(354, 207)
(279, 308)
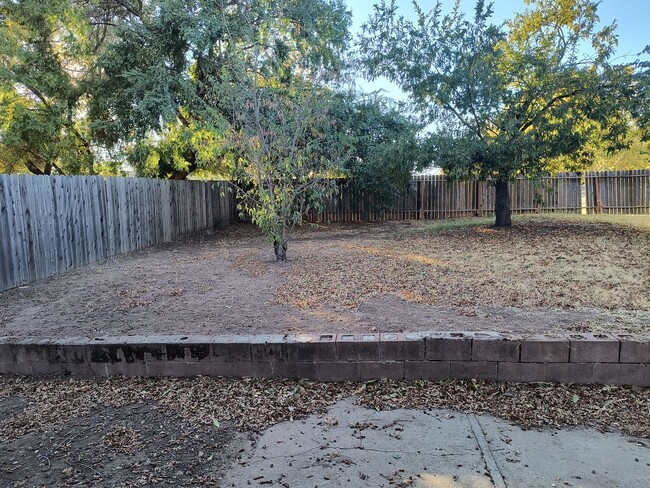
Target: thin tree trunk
(280, 245)
(502, 203)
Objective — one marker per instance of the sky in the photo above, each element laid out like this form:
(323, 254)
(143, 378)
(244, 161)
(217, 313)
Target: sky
(631, 17)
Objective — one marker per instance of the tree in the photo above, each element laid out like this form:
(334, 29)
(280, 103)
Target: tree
(47, 55)
(158, 85)
(286, 144)
(505, 99)
(385, 148)
(285, 162)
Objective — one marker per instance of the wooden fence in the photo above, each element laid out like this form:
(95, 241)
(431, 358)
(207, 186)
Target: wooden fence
(433, 197)
(49, 225)
(618, 192)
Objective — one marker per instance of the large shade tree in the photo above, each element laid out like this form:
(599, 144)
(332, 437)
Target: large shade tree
(506, 100)
(48, 54)
(159, 88)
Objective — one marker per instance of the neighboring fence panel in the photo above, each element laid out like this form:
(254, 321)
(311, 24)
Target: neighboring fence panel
(434, 197)
(618, 191)
(49, 225)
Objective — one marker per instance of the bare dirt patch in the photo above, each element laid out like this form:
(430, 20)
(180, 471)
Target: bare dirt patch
(187, 432)
(544, 274)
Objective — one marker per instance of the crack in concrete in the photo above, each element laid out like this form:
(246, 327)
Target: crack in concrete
(491, 465)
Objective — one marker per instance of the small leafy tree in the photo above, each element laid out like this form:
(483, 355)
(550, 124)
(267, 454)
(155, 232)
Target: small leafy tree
(506, 99)
(285, 165)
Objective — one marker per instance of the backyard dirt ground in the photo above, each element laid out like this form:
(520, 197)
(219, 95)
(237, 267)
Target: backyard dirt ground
(188, 432)
(546, 273)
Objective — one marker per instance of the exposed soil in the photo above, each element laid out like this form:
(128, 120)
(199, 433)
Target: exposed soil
(541, 275)
(188, 432)
(135, 445)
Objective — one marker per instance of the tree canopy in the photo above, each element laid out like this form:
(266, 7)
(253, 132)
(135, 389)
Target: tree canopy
(165, 74)
(506, 99)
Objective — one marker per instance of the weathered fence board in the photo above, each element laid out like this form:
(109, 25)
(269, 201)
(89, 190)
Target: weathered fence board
(618, 191)
(49, 225)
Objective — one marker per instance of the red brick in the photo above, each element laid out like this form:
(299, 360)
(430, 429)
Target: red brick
(570, 372)
(79, 370)
(473, 369)
(25, 351)
(105, 353)
(276, 349)
(12, 367)
(38, 368)
(66, 350)
(545, 349)
(426, 370)
(359, 347)
(312, 351)
(593, 348)
(396, 347)
(231, 349)
(337, 371)
(134, 353)
(188, 352)
(634, 349)
(449, 347)
(620, 374)
(371, 370)
(521, 372)
(5, 350)
(501, 348)
(311, 347)
(130, 370)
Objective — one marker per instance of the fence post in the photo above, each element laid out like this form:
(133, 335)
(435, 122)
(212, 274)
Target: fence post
(599, 204)
(422, 187)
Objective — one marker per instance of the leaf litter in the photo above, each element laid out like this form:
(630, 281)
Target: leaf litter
(255, 404)
(538, 263)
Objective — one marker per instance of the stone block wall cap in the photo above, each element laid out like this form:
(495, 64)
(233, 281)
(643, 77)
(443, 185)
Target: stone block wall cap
(357, 337)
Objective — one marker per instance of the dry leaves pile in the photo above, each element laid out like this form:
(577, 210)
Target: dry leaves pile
(253, 404)
(536, 263)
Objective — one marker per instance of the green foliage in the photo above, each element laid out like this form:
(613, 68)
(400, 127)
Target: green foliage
(160, 85)
(286, 155)
(385, 148)
(179, 150)
(45, 53)
(506, 99)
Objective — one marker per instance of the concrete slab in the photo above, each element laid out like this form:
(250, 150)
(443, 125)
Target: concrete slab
(355, 446)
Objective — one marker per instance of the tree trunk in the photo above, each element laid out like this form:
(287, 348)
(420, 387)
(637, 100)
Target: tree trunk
(179, 175)
(502, 203)
(280, 245)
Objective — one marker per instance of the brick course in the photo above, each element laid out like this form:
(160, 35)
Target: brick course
(435, 356)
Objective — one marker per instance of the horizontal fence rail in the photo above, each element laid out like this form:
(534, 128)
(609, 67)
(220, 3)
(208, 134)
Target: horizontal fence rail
(434, 197)
(49, 225)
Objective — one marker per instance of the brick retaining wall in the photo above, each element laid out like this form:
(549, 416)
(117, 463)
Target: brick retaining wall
(575, 358)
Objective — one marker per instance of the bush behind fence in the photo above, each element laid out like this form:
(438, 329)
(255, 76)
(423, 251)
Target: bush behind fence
(49, 225)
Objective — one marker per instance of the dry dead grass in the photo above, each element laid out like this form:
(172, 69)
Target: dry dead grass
(558, 261)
